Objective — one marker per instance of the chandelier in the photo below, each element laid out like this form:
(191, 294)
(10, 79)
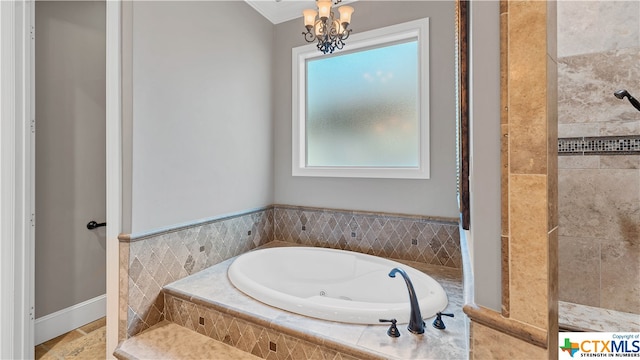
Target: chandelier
(328, 31)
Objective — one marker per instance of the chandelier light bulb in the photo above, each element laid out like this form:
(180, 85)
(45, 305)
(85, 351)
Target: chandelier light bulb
(345, 14)
(324, 9)
(309, 17)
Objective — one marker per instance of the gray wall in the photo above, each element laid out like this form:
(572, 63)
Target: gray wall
(484, 110)
(201, 116)
(433, 197)
(70, 153)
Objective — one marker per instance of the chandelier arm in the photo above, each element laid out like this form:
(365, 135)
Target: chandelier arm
(334, 34)
(309, 36)
(323, 27)
(345, 34)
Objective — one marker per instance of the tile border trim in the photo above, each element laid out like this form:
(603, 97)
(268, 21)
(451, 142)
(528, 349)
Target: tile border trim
(144, 235)
(171, 229)
(508, 326)
(439, 219)
(599, 145)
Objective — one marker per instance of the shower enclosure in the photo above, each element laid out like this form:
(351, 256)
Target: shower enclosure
(599, 165)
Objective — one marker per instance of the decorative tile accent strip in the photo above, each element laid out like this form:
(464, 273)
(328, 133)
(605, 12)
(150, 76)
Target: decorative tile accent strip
(168, 256)
(414, 238)
(601, 145)
(258, 340)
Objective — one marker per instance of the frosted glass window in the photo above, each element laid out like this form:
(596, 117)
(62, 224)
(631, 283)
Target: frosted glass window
(362, 108)
(363, 111)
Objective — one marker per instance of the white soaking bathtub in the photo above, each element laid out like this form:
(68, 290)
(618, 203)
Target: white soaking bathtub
(334, 285)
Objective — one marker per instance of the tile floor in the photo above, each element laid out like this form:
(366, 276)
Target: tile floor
(86, 342)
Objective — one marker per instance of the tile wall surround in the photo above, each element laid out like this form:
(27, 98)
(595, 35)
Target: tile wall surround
(150, 261)
(599, 191)
(430, 240)
(154, 260)
(527, 323)
(597, 26)
(586, 83)
(599, 205)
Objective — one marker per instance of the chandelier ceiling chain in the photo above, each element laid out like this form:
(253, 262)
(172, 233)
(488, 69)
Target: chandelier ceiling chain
(329, 31)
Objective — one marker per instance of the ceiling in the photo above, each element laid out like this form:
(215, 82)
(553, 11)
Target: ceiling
(284, 10)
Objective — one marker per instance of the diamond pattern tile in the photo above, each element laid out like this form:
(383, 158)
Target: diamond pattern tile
(252, 338)
(405, 238)
(157, 260)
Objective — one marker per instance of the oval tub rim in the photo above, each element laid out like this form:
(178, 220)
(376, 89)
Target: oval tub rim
(264, 294)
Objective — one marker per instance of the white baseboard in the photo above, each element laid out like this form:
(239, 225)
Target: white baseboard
(73, 317)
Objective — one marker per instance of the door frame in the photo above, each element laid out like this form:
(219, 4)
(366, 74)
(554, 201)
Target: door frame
(16, 186)
(17, 175)
(114, 166)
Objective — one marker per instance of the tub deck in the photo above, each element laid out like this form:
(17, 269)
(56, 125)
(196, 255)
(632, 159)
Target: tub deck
(211, 289)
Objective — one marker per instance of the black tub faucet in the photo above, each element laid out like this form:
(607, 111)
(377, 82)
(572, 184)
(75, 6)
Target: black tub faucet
(416, 324)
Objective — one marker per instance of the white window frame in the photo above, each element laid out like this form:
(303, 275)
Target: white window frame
(418, 29)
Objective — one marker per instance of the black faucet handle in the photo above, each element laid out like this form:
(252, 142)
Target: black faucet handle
(438, 323)
(393, 329)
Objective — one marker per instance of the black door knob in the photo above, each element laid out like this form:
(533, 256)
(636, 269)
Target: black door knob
(92, 225)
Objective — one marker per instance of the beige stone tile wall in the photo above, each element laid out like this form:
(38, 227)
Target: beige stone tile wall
(529, 190)
(599, 195)
(586, 84)
(414, 238)
(148, 263)
(505, 347)
(123, 286)
(531, 157)
(157, 260)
